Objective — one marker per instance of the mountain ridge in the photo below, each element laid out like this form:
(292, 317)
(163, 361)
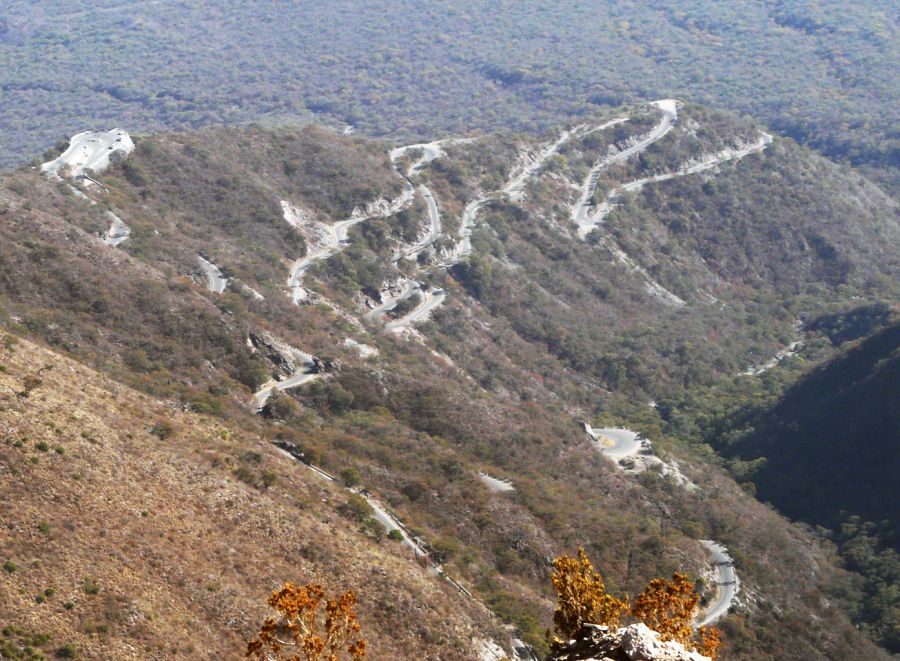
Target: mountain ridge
(537, 331)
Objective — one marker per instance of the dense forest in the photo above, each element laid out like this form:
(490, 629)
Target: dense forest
(821, 445)
(836, 434)
(821, 71)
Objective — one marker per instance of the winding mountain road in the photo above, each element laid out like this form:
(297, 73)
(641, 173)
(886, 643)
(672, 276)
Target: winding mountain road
(582, 214)
(214, 278)
(337, 235)
(309, 367)
(514, 189)
(703, 164)
(727, 583)
(262, 395)
(619, 443)
(410, 287)
(434, 226)
(463, 247)
(94, 151)
(431, 299)
(587, 218)
(430, 152)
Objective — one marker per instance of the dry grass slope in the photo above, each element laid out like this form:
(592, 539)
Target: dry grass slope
(152, 548)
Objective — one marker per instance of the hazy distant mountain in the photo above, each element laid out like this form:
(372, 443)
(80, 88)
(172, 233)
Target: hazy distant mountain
(822, 71)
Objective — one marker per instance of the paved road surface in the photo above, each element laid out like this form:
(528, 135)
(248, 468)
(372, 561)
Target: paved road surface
(515, 187)
(726, 579)
(430, 300)
(603, 209)
(625, 443)
(215, 280)
(306, 376)
(90, 150)
(434, 229)
(410, 287)
(615, 442)
(337, 235)
(583, 215)
(496, 485)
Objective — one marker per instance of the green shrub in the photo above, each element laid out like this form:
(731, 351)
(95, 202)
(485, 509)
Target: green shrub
(245, 475)
(67, 651)
(355, 508)
(251, 457)
(95, 628)
(350, 476)
(91, 586)
(396, 535)
(268, 478)
(9, 567)
(163, 429)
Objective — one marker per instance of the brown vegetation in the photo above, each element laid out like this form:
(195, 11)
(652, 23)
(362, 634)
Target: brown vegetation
(119, 542)
(538, 331)
(300, 629)
(667, 607)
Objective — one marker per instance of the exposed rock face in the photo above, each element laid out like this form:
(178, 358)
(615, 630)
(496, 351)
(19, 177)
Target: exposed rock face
(288, 359)
(636, 642)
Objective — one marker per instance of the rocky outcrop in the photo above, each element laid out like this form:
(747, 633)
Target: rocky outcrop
(286, 358)
(636, 642)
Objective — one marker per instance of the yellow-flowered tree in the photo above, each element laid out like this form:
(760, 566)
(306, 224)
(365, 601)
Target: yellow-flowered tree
(667, 607)
(302, 632)
(581, 599)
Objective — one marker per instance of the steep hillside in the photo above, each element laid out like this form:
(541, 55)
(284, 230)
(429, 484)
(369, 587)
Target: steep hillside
(437, 323)
(832, 444)
(829, 453)
(134, 530)
(820, 445)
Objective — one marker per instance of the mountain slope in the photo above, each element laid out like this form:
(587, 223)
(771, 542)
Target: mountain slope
(832, 444)
(180, 530)
(483, 355)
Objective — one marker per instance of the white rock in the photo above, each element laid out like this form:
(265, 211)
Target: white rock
(641, 643)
